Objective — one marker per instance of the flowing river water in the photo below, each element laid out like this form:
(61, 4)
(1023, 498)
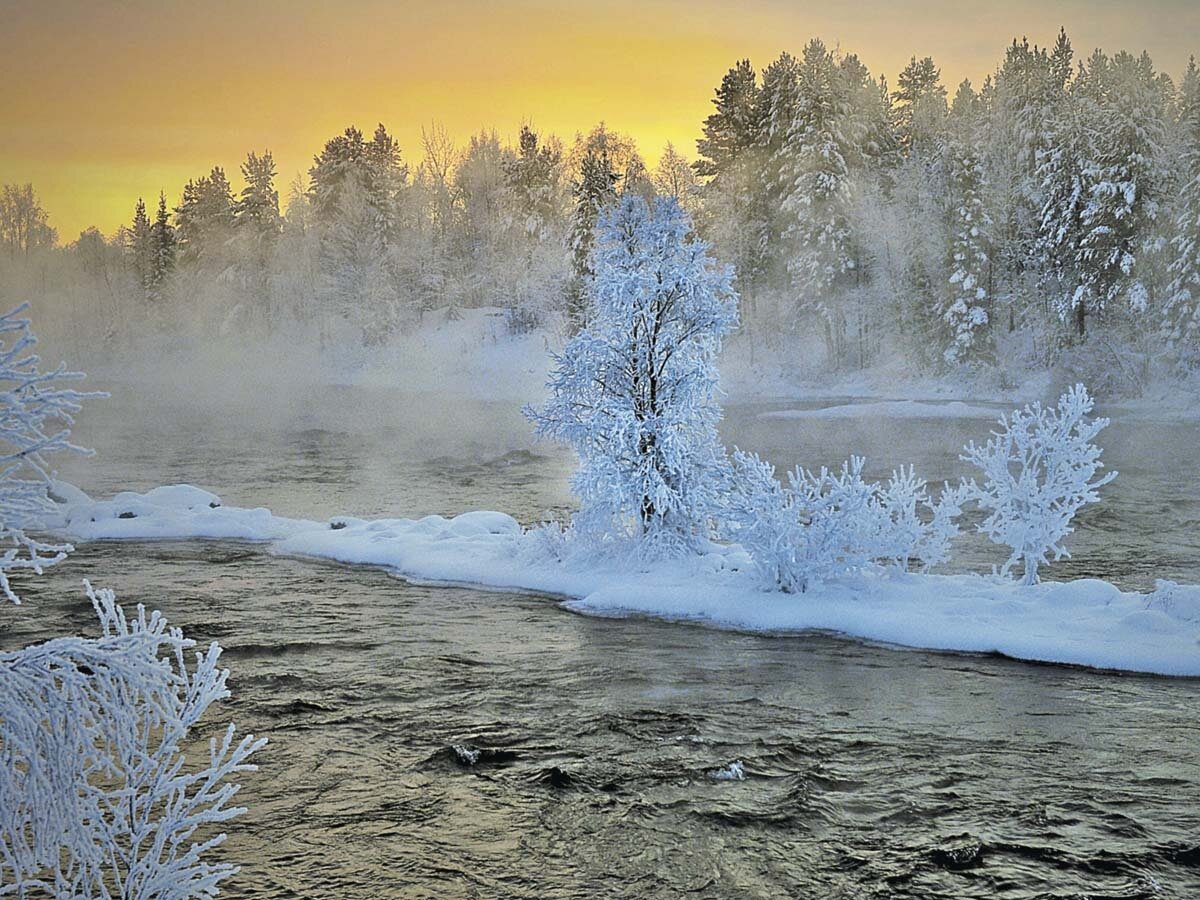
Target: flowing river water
(446, 742)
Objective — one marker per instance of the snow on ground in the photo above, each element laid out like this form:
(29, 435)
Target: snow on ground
(888, 409)
(1085, 622)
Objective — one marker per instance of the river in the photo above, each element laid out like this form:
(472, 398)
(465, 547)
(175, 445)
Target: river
(445, 742)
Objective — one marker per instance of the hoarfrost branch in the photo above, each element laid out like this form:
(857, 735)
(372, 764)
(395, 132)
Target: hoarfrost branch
(98, 797)
(35, 419)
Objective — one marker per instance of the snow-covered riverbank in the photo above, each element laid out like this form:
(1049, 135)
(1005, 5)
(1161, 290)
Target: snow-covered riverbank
(1085, 622)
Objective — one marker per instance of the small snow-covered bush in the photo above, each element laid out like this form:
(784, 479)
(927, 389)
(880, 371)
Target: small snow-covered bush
(913, 526)
(1038, 471)
(825, 524)
(98, 795)
(35, 419)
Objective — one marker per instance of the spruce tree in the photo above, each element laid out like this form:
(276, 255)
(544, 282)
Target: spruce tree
(733, 128)
(815, 180)
(532, 176)
(595, 189)
(736, 211)
(1181, 309)
(162, 243)
(139, 247)
(205, 218)
(257, 208)
(966, 317)
(920, 104)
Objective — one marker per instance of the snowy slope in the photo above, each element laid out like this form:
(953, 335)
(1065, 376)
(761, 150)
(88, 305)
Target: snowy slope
(1085, 622)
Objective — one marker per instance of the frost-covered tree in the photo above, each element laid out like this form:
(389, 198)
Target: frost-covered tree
(734, 127)
(162, 243)
(204, 220)
(533, 176)
(595, 190)
(257, 207)
(816, 193)
(816, 528)
(634, 392)
(966, 312)
(675, 178)
(1040, 469)
(735, 213)
(36, 414)
(1101, 184)
(1181, 309)
(24, 225)
(139, 245)
(920, 106)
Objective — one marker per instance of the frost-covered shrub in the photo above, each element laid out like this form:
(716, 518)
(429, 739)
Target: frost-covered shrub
(634, 392)
(824, 524)
(98, 797)
(913, 526)
(35, 419)
(1038, 468)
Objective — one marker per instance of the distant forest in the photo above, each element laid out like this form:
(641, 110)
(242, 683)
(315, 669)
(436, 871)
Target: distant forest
(1049, 216)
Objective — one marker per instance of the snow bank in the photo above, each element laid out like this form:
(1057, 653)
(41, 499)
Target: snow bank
(888, 409)
(1085, 622)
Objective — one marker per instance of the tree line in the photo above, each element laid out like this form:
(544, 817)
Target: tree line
(1051, 214)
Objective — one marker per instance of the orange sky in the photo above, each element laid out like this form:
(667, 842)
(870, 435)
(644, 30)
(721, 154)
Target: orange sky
(105, 101)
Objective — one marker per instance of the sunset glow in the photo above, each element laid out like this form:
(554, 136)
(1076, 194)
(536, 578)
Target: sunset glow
(110, 101)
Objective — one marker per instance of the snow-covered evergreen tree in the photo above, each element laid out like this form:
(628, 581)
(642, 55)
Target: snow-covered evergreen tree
(1039, 467)
(734, 127)
(920, 106)
(634, 392)
(815, 179)
(595, 190)
(1181, 309)
(139, 246)
(257, 207)
(966, 313)
(1101, 184)
(533, 175)
(162, 242)
(735, 214)
(204, 220)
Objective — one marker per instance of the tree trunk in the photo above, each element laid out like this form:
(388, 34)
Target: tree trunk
(1031, 568)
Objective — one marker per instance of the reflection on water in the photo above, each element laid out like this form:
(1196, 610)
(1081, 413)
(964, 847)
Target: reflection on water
(869, 772)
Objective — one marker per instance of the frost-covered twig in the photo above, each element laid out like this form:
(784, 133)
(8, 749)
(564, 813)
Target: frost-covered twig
(98, 797)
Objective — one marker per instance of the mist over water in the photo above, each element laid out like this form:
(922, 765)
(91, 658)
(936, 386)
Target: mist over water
(454, 743)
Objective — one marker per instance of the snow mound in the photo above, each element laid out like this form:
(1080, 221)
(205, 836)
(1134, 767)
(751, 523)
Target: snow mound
(1085, 622)
(174, 511)
(888, 409)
